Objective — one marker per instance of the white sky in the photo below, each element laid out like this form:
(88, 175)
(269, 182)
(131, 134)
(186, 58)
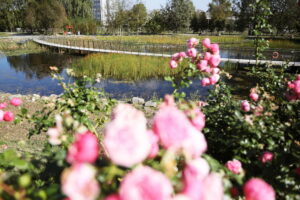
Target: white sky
(156, 4)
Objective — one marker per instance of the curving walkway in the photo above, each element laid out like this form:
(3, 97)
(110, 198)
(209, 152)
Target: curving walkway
(93, 50)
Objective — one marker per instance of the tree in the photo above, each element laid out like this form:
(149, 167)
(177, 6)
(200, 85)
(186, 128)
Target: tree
(155, 23)
(199, 22)
(243, 13)
(137, 17)
(78, 8)
(220, 11)
(178, 14)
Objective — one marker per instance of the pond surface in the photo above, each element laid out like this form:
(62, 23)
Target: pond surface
(30, 74)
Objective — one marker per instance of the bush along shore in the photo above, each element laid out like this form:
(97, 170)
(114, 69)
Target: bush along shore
(222, 148)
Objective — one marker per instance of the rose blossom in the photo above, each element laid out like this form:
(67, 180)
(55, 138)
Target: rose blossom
(8, 116)
(254, 96)
(214, 48)
(214, 61)
(154, 144)
(235, 166)
(213, 187)
(113, 197)
(79, 183)
(197, 118)
(194, 145)
(266, 157)
(145, 183)
(125, 138)
(258, 189)
(214, 79)
(3, 105)
(173, 64)
(1, 115)
(84, 149)
(206, 43)
(202, 65)
(205, 82)
(215, 71)
(193, 42)
(192, 52)
(16, 101)
(168, 101)
(245, 106)
(207, 56)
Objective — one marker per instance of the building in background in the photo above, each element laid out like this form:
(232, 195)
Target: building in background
(99, 10)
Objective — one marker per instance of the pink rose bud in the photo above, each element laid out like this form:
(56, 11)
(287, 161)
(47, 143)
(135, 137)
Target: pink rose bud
(245, 106)
(8, 116)
(205, 82)
(193, 42)
(145, 183)
(192, 52)
(291, 85)
(214, 61)
(202, 65)
(207, 56)
(214, 79)
(206, 43)
(85, 149)
(173, 64)
(258, 189)
(215, 71)
(214, 48)
(254, 96)
(235, 166)
(16, 101)
(267, 157)
(1, 115)
(3, 105)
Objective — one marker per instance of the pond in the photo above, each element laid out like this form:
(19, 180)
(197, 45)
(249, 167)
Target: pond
(30, 74)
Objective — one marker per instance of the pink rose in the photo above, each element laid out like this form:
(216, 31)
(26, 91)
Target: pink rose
(16, 101)
(214, 61)
(197, 118)
(85, 149)
(79, 183)
(168, 101)
(234, 166)
(245, 106)
(206, 43)
(113, 197)
(266, 157)
(54, 136)
(3, 105)
(214, 48)
(145, 183)
(173, 64)
(297, 86)
(182, 54)
(195, 145)
(205, 82)
(214, 79)
(207, 56)
(8, 116)
(192, 53)
(258, 189)
(125, 138)
(213, 187)
(193, 42)
(291, 85)
(202, 65)
(175, 56)
(1, 115)
(215, 71)
(154, 144)
(254, 96)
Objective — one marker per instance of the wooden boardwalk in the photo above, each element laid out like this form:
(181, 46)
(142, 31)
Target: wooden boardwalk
(92, 50)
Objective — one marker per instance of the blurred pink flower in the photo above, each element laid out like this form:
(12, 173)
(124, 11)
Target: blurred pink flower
(180, 197)
(207, 56)
(173, 64)
(113, 197)
(85, 149)
(195, 145)
(215, 71)
(214, 79)
(205, 82)
(192, 53)
(195, 169)
(266, 157)
(193, 42)
(235, 166)
(214, 48)
(197, 118)
(16, 101)
(202, 65)
(182, 54)
(213, 187)
(168, 101)
(245, 106)
(206, 43)
(54, 136)
(214, 61)
(1, 115)
(79, 183)
(145, 183)
(126, 139)
(3, 105)
(258, 189)
(154, 144)
(254, 96)
(8, 116)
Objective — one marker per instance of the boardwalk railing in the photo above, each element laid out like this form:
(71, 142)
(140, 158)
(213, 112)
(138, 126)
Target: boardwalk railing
(159, 50)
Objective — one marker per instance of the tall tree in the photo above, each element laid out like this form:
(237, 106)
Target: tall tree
(220, 11)
(178, 14)
(78, 8)
(156, 22)
(137, 17)
(199, 22)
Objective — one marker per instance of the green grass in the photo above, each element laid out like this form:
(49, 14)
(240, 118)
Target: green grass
(123, 67)
(11, 48)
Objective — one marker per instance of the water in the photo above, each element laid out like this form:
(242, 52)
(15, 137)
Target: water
(30, 74)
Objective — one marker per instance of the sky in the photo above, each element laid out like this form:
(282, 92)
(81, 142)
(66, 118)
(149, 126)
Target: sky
(156, 4)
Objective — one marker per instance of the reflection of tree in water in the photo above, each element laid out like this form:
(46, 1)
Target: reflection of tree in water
(37, 65)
